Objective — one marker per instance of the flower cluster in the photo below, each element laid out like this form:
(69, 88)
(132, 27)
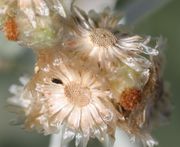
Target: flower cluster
(91, 75)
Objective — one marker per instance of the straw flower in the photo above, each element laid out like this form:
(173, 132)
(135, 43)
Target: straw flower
(100, 38)
(77, 99)
(68, 100)
(91, 77)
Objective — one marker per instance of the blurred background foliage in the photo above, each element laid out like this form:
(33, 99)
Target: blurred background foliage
(15, 61)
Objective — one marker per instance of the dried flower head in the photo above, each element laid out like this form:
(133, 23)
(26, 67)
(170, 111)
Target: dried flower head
(126, 86)
(75, 99)
(93, 79)
(98, 37)
(38, 22)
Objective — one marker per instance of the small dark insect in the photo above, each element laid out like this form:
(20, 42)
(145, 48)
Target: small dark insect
(57, 81)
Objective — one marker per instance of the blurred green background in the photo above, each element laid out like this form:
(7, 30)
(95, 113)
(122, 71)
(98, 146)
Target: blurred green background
(165, 22)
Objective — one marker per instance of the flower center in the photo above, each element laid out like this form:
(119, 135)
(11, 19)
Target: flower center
(102, 38)
(76, 94)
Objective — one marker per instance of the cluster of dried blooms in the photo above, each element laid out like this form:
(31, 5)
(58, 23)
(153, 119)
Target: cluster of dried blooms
(91, 75)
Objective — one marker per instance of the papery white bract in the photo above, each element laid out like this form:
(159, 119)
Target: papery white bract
(20, 101)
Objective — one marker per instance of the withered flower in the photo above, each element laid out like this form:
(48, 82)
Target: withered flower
(34, 23)
(71, 98)
(147, 107)
(100, 38)
(95, 78)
